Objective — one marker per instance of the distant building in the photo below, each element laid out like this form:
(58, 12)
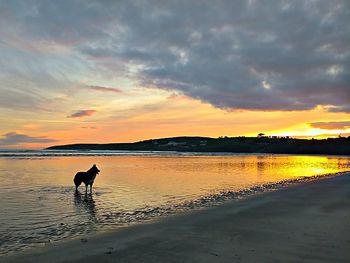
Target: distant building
(172, 143)
(203, 143)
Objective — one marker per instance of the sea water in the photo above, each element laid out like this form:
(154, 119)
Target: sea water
(39, 204)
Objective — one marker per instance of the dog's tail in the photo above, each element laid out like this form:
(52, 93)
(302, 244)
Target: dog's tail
(77, 181)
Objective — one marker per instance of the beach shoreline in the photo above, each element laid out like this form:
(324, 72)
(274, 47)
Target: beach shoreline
(307, 222)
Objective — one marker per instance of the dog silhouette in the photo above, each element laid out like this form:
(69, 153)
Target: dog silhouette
(87, 178)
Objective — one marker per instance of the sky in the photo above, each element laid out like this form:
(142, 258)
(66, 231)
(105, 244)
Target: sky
(122, 71)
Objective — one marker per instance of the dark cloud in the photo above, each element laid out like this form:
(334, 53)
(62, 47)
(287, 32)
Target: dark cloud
(334, 125)
(260, 55)
(341, 108)
(81, 113)
(13, 138)
(105, 89)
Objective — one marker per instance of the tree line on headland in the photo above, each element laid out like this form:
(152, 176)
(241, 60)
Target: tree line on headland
(260, 144)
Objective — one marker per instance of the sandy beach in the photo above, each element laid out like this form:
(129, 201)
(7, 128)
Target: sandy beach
(303, 223)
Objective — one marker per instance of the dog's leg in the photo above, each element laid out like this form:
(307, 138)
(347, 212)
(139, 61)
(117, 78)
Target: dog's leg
(86, 187)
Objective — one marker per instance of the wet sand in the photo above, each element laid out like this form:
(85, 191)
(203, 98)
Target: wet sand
(304, 223)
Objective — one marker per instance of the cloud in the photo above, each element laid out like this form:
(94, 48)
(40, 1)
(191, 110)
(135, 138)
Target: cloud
(105, 89)
(342, 108)
(82, 113)
(257, 55)
(13, 138)
(334, 125)
(323, 135)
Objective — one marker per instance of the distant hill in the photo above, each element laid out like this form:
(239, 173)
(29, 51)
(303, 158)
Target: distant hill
(284, 145)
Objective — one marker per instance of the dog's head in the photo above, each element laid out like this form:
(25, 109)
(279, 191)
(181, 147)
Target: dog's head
(94, 169)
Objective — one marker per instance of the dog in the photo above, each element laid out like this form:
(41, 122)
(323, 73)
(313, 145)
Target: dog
(87, 178)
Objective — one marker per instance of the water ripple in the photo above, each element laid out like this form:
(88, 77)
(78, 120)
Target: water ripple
(39, 204)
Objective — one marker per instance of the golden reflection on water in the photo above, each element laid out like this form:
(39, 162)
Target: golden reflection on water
(169, 175)
(38, 200)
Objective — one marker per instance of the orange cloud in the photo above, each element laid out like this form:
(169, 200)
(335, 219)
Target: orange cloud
(82, 113)
(333, 125)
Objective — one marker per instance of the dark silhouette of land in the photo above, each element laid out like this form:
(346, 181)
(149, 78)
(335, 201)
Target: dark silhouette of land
(260, 144)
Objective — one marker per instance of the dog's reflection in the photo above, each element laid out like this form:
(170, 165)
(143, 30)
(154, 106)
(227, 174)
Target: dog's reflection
(85, 203)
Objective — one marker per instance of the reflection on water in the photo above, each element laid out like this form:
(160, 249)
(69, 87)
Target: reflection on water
(39, 204)
(85, 204)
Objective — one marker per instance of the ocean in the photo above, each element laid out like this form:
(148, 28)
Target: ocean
(39, 204)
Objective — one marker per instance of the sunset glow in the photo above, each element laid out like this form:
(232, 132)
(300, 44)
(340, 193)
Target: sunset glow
(79, 72)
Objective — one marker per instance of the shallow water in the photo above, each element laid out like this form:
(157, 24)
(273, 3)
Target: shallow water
(39, 205)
